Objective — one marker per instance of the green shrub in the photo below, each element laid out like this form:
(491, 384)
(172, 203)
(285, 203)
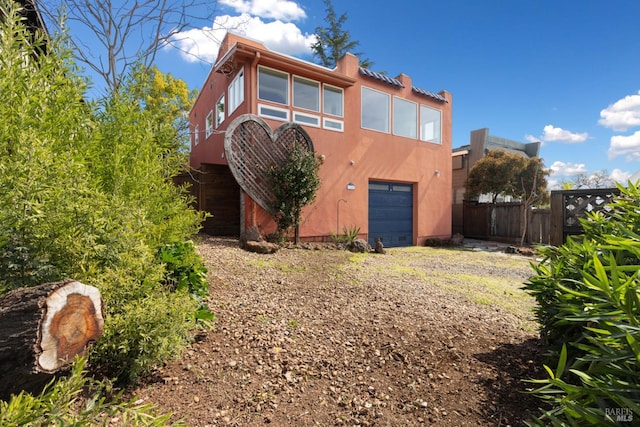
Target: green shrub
(78, 401)
(86, 193)
(185, 271)
(589, 310)
(294, 185)
(143, 334)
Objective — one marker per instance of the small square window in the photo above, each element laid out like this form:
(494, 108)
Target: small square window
(306, 94)
(273, 112)
(236, 92)
(273, 86)
(333, 100)
(209, 125)
(375, 110)
(430, 124)
(220, 111)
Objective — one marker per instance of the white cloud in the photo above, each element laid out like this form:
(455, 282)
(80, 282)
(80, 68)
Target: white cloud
(623, 114)
(554, 134)
(532, 138)
(562, 169)
(628, 146)
(620, 176)
(202, 44)
(282, 10)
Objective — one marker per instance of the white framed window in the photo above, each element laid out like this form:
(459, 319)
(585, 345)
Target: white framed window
(405, 118)
(375, 110)
(306, 119)
(236, 92)
(220, 111)
(273, 112)
(332, 100)
(273, 86)
(209, 124)
(306, 94)
(331, 124)
(196, 135)
(430, 124)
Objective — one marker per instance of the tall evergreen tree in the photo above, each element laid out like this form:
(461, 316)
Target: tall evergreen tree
(333, 41)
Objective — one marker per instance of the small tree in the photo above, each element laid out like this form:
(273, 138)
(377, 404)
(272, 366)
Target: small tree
(502, 173)
(294, 186)
(532, 188)
(333, 42)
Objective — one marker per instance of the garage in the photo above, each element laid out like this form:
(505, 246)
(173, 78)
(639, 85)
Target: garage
(390, 213)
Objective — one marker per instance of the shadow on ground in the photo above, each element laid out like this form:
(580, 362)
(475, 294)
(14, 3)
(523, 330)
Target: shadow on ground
(514, 363)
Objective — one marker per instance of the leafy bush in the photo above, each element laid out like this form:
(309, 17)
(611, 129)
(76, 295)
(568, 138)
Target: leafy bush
(185, 271)
(294, 186)
(589, 309)
(86, 192)
(78, 401)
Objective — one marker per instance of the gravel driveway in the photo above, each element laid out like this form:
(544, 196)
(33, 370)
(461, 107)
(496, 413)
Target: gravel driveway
(418, 336)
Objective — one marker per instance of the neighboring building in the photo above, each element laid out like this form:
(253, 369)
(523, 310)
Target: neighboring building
(464, 157)
(386, 144)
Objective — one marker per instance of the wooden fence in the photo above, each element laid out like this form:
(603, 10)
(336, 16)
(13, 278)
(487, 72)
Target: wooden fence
(546, 226)
(507, 223)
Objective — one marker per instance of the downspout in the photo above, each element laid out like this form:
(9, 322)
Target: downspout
(253, 109)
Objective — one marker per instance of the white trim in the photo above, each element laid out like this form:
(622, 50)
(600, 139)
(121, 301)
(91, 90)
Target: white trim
(217, 111)
(209, 124)
(297, 114)
(235, 90)
(275, 71)
(389, 110)
(416, 123)
(421, 136)
(326, 120)
(262, 107)
(305, 80)
(341, 90)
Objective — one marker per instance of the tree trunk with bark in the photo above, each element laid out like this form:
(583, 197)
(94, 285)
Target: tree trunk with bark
(42, 329)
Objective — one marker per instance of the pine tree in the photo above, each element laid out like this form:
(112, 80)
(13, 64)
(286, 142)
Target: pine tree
(333, 41)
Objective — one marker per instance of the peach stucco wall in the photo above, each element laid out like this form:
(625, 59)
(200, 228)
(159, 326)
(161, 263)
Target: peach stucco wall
(354, 156)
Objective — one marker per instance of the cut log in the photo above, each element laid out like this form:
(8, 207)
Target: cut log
(42, 329)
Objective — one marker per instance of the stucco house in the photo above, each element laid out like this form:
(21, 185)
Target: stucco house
(385, 144)
(464, 157)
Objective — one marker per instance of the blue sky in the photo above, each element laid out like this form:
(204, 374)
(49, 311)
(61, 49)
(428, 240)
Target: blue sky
(566, 73)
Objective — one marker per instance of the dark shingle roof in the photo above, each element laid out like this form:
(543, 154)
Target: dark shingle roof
(429, 94)
(398, 83)
(381, 77)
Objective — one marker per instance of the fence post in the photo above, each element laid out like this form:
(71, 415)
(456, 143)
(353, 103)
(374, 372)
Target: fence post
(557, 219)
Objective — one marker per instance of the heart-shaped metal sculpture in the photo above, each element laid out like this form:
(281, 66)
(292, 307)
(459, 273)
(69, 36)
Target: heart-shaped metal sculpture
(251, 149)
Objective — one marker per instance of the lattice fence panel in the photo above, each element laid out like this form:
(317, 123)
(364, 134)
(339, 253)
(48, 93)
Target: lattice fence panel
(251, 149)
(577, 206)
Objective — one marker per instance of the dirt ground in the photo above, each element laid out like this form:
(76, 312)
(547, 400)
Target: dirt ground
(417, 336)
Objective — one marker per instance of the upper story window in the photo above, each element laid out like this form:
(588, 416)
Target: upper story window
(405, 118)
(220, 111)
(236, 92)
(375, 110)
(430, 125)
(273, 86)
(333, 100)
(209, 124)
(306, 94)
(196, 135)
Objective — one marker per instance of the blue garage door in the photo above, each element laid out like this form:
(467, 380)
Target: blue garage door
(390, 214)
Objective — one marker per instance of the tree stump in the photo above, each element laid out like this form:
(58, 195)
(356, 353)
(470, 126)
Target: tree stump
(42, 329)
